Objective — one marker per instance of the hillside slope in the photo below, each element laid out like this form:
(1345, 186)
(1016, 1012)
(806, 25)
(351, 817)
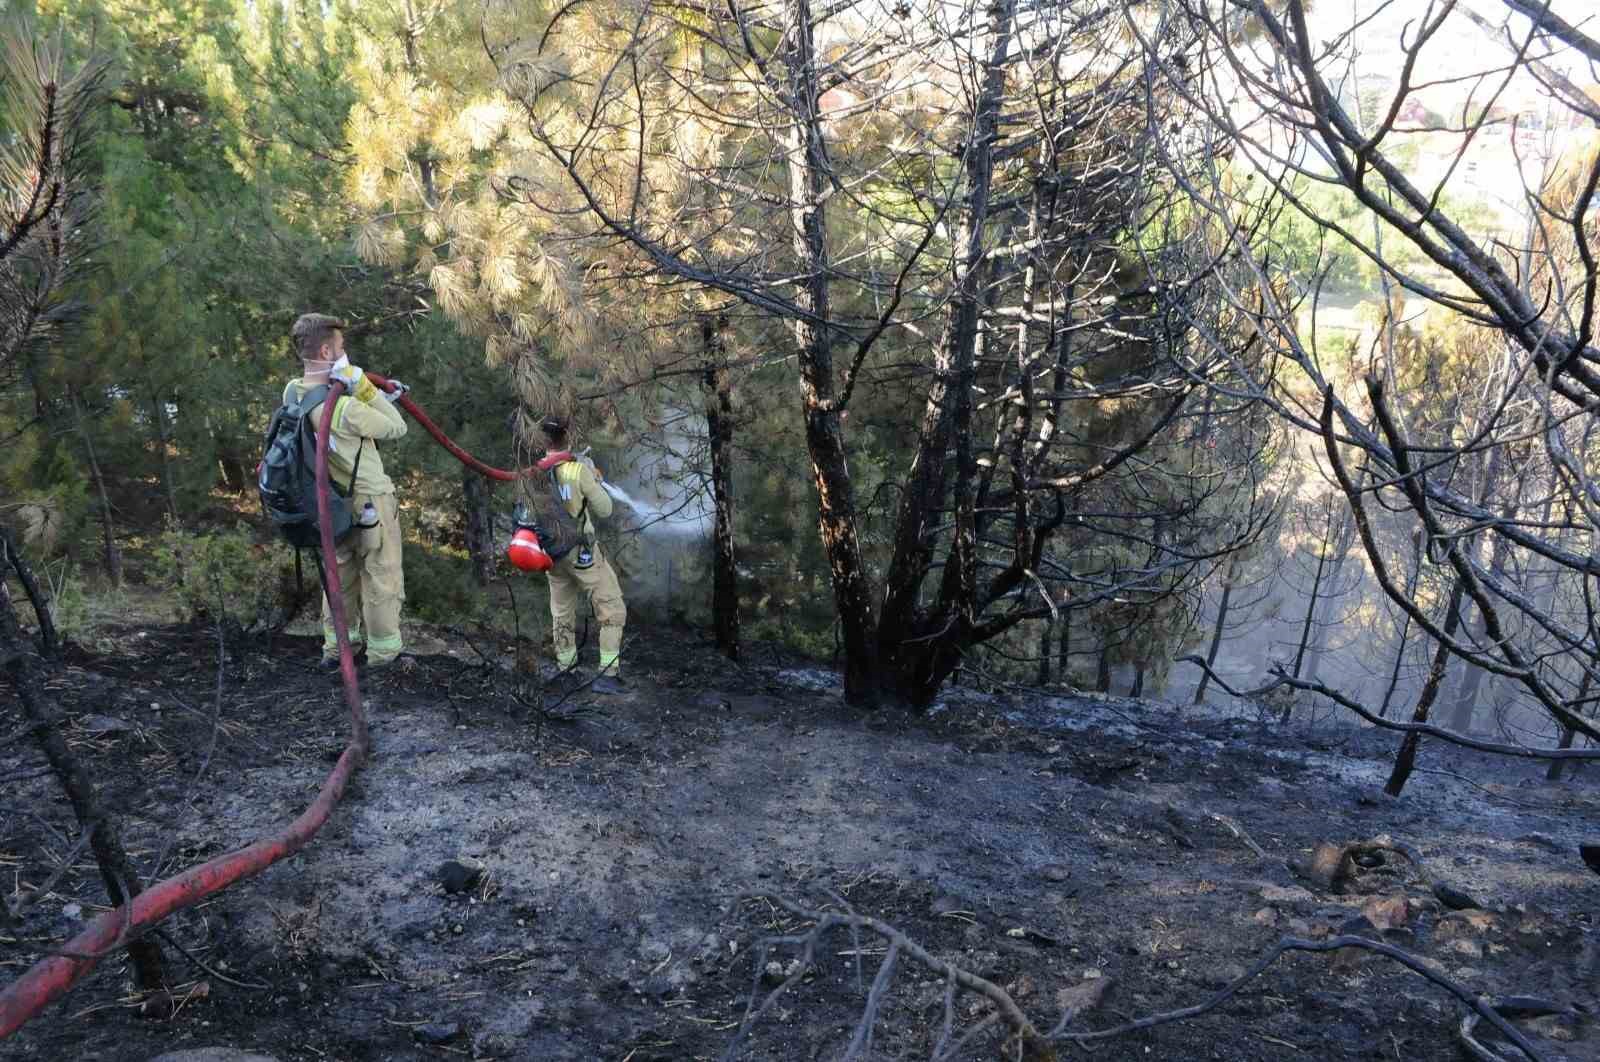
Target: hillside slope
(1036, 841)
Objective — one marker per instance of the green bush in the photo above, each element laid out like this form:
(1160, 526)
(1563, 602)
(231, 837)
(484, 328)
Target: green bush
(69, 604)
(439, 586)
(226, 575)
(811, 642)
(64, 596)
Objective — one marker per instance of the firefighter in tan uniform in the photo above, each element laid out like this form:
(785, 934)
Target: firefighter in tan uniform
(370, 571)
(584, 570)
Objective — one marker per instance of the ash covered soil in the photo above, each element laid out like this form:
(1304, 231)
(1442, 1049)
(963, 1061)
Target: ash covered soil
(1035, 840)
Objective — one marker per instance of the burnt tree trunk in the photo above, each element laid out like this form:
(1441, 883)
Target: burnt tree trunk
(1465, 707)
(116, 869)
(1046, 628)
(1569, 735)
(920, 651)
(1217, 629)
(12, 557)
(1319, 644)
(1466, 702)
(1064, 662)
(1312, 606)
(36, 381)
(1406, 758)
(807, 165)
(1405, 626)
(719, 429)
(1332, 555)
(477, 513)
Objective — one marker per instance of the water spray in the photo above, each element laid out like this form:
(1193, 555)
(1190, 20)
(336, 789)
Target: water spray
(654, 519)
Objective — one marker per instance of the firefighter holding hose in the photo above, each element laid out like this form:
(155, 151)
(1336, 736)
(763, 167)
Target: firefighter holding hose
(566, 498)
(371, 574)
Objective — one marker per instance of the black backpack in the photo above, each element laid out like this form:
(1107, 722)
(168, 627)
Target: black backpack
(546, 512)
(287, 476)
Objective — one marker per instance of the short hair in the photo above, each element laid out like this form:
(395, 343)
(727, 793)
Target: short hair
(555, 429)
(311, 331)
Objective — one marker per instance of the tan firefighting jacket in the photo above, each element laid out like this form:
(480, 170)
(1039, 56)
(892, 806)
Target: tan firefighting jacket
(354, 422)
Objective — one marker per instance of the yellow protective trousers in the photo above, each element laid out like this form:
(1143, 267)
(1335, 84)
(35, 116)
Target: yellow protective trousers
(599, 581)
(373, 583)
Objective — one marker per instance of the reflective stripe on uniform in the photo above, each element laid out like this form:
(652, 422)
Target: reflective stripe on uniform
(567, 474)
(391, 644)
(372, 580)
(330, 640)
(339, 408)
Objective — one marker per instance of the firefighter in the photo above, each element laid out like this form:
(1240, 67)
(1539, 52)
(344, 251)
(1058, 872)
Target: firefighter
(585, 569)
(371, 574)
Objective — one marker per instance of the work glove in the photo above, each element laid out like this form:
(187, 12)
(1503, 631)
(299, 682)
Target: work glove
(396, 392)
(355, 381)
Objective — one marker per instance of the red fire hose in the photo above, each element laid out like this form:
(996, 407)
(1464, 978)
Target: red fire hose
(445, 441)
(50, 978)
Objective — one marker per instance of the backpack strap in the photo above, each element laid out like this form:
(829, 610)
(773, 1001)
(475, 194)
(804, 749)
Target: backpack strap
(555, 489)
(314, 397)
(355, 470)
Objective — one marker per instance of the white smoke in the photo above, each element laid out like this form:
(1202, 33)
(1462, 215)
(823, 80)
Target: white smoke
(660, 533)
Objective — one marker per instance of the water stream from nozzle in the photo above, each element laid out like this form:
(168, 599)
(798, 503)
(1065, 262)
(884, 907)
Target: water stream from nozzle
(652, 519)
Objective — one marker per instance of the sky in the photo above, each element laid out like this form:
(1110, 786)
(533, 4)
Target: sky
(1460, 47)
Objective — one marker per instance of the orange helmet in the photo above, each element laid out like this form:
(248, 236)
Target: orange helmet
(525, 553)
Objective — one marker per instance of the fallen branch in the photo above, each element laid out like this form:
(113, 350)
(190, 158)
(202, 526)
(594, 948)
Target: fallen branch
(9, 554)
(116, 869)
(489, 662)
(27, 995)
(1519, 1007)
(1479, 1006)
(1238, 831)
(1490, 793)
(1031, 1045)
(203, 967)
(14, 911)
(1283, 679)
(862, 1040)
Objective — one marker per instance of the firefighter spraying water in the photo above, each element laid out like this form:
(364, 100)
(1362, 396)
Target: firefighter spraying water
(555, 534)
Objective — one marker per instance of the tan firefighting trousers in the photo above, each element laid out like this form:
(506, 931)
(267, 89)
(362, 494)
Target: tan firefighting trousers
(373, 582)
(599, 581)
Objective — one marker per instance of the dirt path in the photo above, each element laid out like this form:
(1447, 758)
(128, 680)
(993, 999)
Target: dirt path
(610, 923)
